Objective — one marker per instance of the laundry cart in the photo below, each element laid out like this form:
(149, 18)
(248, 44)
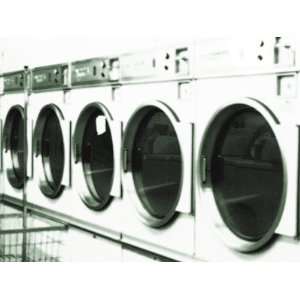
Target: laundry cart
(29, 237)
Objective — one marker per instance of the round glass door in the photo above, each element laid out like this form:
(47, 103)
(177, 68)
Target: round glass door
(247, 174)
(14, 139)
(156, 164)
(94, 139)
(52, 151)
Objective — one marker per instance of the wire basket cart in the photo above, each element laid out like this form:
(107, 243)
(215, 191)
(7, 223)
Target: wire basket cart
(38, 239)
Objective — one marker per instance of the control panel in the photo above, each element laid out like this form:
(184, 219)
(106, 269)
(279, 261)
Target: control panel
(94, 71)
(233, 55)
(50, 77)
(14, 82)
(156, 64)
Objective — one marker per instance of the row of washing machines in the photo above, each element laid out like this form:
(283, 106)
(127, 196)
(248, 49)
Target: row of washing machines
(190, 152)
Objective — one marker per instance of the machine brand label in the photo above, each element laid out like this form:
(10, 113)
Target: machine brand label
(215, 56)
(40, 78)
(9, 81)
(133, 66)
(82, 72)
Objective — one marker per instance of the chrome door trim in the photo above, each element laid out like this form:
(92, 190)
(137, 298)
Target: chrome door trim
(10, 158)
(44, 184)
(128, 181)
(204, 187)
(81, 186)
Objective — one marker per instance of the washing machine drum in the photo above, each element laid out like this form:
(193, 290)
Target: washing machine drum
(246, 172)
(155, 164)
(50, 146)
(14, 145)
(94, 153)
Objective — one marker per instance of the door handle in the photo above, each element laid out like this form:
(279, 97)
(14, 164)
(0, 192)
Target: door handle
(203, 167)
(6, 141)
(125, 160)
(46, 148)
(77, 153)
(37, 148)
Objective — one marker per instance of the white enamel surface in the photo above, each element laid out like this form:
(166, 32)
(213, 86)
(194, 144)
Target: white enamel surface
(211, 243)
(178, 237)
(108, 221)
(116, 131)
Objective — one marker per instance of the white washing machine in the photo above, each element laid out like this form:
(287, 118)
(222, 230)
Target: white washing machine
(13, 135)
(247, 157)
(157, 107)
(49, 131)
(96, 146)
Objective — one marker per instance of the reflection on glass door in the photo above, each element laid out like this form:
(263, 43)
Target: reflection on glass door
(97, 156)
(52, 151)
(157, 164)
(14, 140)
(247, 174)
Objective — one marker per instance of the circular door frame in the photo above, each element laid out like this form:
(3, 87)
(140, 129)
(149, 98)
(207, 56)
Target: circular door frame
(128, 180)
(38, 157)
(82, 186)
(9, 166)
(205, 188)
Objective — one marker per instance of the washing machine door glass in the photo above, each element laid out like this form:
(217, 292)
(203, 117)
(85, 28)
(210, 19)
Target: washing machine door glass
(52, 150)
(97, 157)
(157, 164)
(247, 174)
(14, 143)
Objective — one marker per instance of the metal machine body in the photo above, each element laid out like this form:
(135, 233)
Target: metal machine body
(247, 151)
(49, 135)
(13, 141)
(156, 105)
(95, 146)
